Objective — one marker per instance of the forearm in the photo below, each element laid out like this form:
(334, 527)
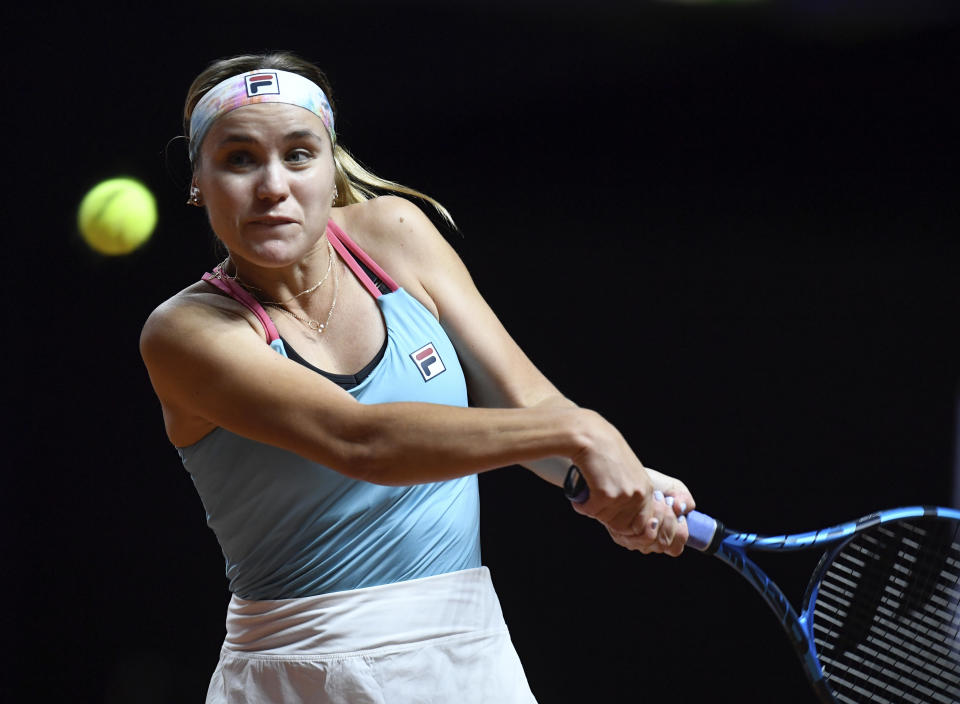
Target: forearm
(552, 469)
(411, 443)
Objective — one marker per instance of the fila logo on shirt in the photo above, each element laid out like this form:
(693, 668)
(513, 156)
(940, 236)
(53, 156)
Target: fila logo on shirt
(428, 361)
(262, 84)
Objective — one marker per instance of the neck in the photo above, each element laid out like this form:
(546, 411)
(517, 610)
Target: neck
(292, 284)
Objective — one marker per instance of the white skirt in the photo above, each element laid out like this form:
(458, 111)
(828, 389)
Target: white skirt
(438, 639)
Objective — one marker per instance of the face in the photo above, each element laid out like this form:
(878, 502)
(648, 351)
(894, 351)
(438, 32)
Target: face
(266, 176)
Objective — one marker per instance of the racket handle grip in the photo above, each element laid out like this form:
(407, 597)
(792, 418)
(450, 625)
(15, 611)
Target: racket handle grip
(701, 527)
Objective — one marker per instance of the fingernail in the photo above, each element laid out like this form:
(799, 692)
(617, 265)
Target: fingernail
(669, 501)
(683, 507)
(655, 524)
(682, 519)
(658, 496)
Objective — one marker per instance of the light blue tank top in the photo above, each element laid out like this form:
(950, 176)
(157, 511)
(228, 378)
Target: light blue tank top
(289, 527)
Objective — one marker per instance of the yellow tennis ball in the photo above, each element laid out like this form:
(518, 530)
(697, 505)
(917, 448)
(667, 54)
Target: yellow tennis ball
(117, 216)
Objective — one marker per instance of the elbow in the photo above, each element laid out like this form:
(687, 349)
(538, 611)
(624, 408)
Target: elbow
(367, 465)
(359, 460)
(361, 451)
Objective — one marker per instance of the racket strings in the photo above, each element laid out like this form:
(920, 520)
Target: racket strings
(887, 615)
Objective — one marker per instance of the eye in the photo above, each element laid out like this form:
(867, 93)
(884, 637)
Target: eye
(299, 156)
(239, 159)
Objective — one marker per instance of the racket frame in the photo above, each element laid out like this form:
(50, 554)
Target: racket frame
(731, 547)
(713, 538)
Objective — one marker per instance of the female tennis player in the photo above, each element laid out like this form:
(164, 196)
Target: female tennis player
(333, 387)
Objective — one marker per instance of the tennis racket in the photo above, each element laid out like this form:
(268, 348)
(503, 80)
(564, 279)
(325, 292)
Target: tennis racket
(881, 613)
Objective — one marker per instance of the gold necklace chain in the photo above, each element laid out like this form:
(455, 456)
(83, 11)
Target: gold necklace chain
(251, 287)
(315, 325)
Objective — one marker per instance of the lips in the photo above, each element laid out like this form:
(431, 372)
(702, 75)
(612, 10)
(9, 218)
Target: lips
(271, 220)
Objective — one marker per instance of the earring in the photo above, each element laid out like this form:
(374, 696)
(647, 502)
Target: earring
(335, 194)
(194, 198)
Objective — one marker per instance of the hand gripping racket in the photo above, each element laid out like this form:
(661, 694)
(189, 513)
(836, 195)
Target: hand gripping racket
(881, 612)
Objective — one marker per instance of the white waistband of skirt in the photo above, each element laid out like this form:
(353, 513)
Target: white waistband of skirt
(390, 615)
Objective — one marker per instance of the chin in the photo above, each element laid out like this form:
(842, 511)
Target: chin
(272, 254)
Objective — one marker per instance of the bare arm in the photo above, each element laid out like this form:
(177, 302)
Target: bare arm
(209, 363)
(500, 375)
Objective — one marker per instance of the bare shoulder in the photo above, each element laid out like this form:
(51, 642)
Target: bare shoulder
(395, 230)
(197, 310)
(193, 342)
(405, 242)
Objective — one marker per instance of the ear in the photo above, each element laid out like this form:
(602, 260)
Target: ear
(195, 198)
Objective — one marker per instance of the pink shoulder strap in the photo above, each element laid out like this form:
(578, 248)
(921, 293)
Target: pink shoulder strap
(238, 293)
(350, 251)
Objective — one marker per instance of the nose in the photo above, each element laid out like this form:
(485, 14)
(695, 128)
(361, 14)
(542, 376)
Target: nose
(273, 184)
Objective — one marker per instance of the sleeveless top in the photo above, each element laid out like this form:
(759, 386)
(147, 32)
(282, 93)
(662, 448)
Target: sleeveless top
(289, 527)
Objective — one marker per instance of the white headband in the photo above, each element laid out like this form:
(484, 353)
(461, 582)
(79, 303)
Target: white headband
(259, 86)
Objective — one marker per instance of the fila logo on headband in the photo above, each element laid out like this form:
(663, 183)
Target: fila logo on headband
(428, 361)
(262, 84)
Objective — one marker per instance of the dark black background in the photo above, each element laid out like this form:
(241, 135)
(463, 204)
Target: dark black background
(731, 229)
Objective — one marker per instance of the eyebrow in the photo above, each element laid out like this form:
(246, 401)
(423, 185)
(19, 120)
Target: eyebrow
(300, 134)
(289, 137)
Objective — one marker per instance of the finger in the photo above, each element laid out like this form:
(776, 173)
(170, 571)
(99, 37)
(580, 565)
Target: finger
(658, 526)
(637, 543)
(647, 524)
(666, 525)
(681, 503)
(614, 513)
(667, 540)
(648, 521)
(627, 517)
(679, 540)
(651, 529)
(669, 533)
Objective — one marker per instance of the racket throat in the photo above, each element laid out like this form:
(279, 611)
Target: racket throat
(793, 624)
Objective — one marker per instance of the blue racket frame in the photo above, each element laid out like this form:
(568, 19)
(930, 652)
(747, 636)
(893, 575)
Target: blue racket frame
(711, 537)
(731, 547)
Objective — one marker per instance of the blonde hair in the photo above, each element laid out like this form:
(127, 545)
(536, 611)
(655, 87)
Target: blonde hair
(355, 183)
